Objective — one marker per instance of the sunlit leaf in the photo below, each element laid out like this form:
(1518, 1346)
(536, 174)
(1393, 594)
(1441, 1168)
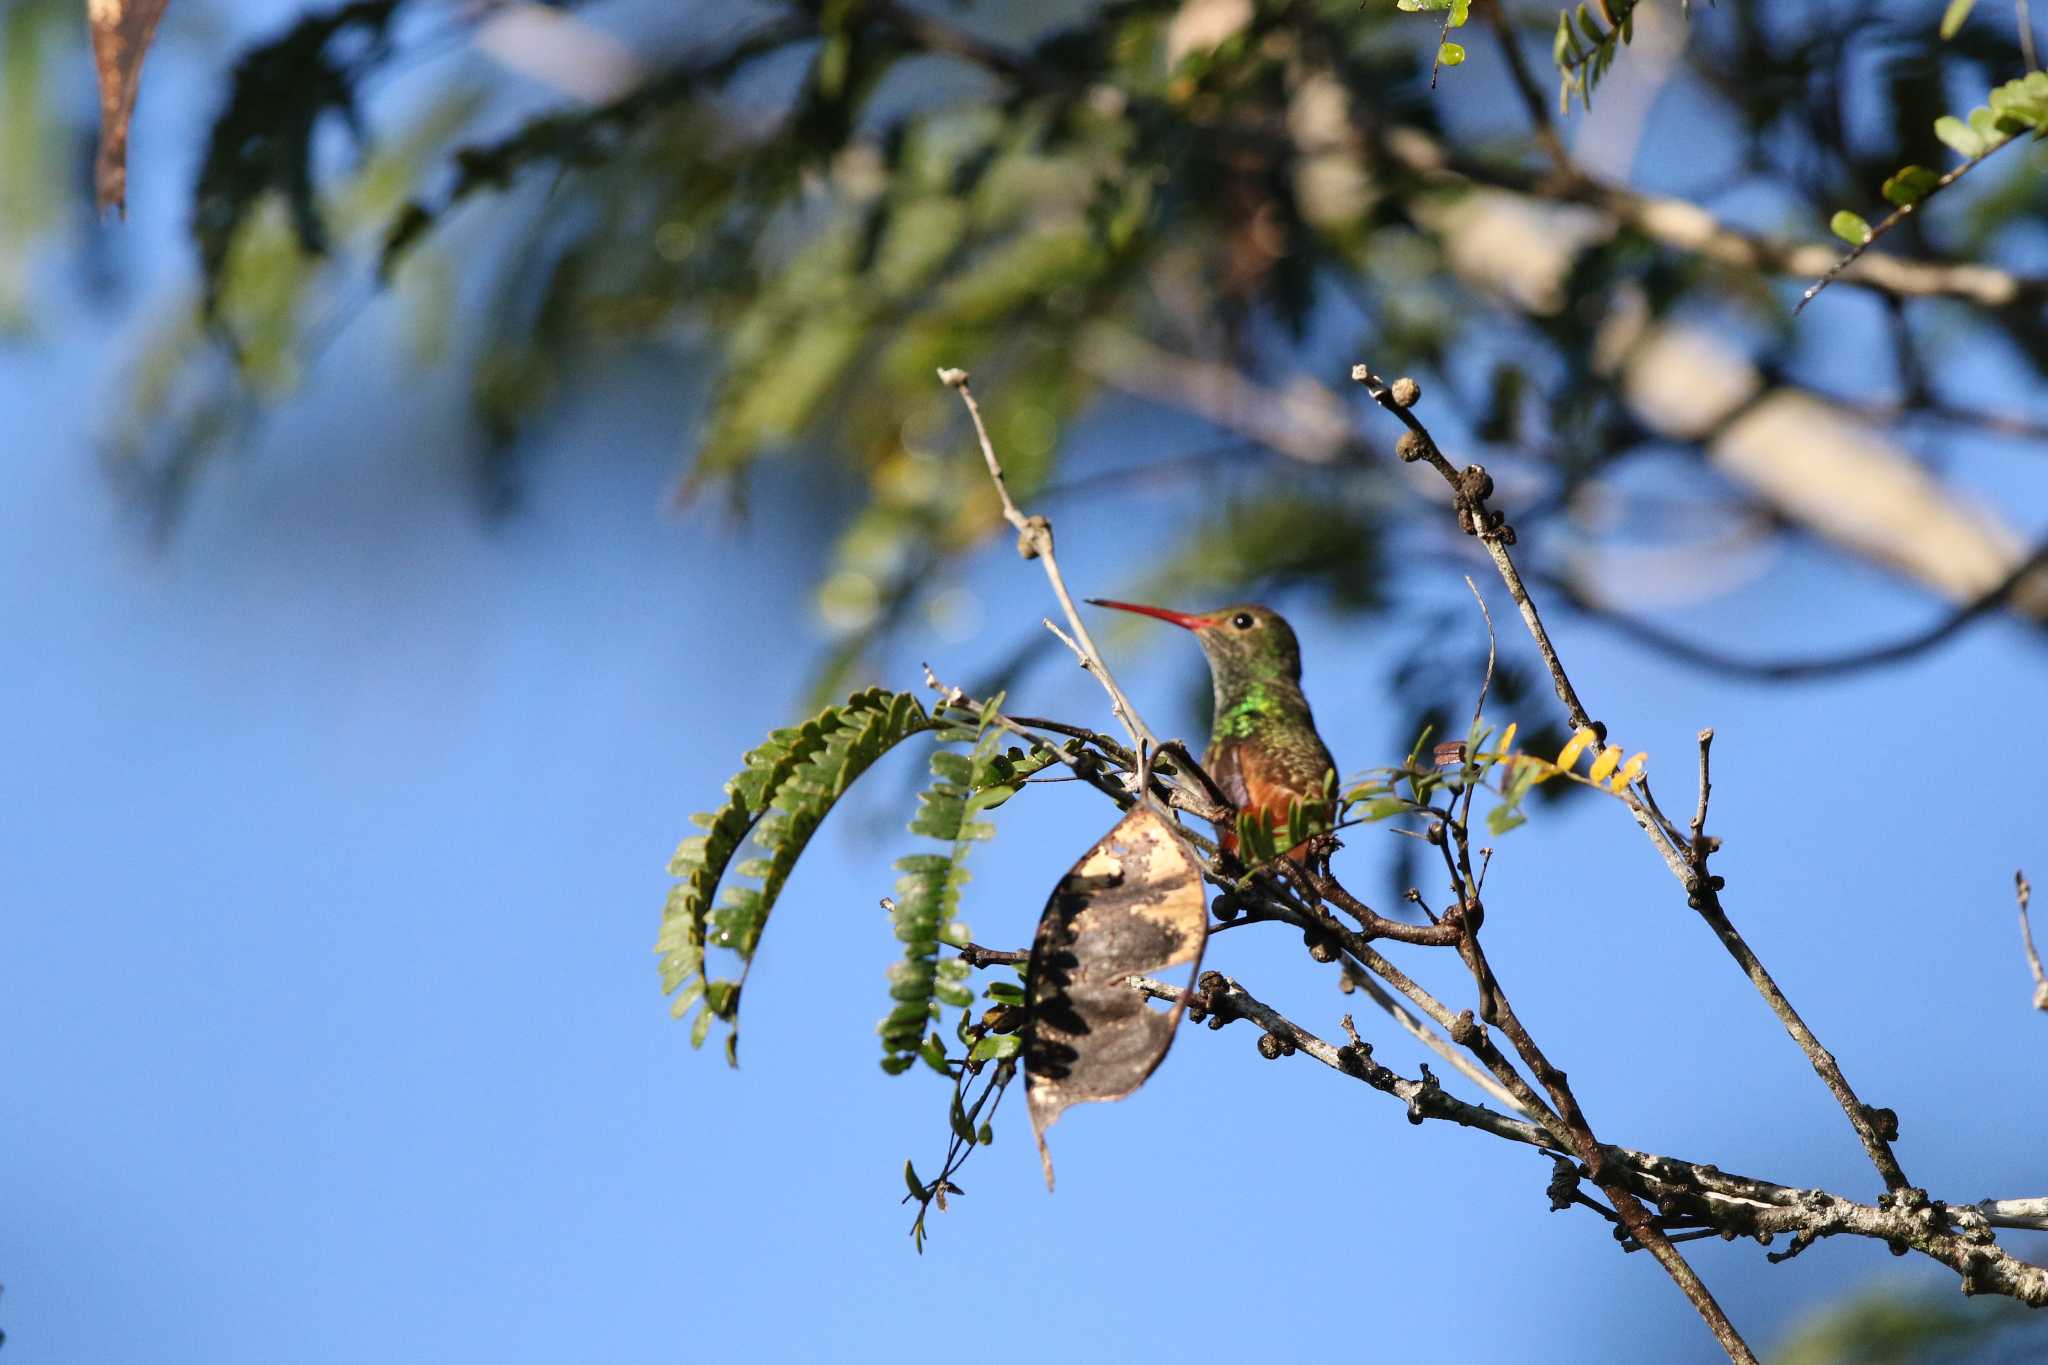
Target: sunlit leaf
(1959, 136)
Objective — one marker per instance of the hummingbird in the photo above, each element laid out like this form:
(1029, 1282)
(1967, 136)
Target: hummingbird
(1263, 751)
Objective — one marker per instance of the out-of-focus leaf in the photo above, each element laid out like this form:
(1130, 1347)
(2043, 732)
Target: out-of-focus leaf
(1953, 17)
(1959, 136)
(262, 142)
(1903, 1326)
(1850, 227)
(121, 33)
(1910, 185)
(1132, 904)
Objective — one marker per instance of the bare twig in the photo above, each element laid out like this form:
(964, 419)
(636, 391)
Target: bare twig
(1034, 541)
(2025, 893)
(1698, 844)
(1429, 1037)
(1469, 490)
(1875, 1128)
(974, 955)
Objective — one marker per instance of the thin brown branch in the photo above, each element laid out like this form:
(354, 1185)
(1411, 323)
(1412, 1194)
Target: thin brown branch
(976, 956)
(1525, 82)
(2024, 893)
(1893, 219)
(1875, 1128)
(1375, 925)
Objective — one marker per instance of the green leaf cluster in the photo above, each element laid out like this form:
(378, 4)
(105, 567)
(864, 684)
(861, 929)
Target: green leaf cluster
(2018, 106)
(1456, 13)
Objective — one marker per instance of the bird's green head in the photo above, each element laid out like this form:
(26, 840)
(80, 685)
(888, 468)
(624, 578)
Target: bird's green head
(1246, 643)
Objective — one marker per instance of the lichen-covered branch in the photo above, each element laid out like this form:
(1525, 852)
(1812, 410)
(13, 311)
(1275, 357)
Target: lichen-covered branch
(1687, 1194)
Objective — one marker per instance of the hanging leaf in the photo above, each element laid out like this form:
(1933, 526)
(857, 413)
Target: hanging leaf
(1132, 904)
(121, 33)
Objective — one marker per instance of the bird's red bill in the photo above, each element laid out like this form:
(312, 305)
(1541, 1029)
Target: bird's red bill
(1179, 618)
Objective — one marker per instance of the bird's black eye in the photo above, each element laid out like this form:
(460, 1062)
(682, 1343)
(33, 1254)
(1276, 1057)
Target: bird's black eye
(1243, 620)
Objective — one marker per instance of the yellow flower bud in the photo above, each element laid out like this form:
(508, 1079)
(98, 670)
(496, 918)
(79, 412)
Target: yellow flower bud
(1610, 758)
(1630, 771)
(1573, 747)
(1507, 740)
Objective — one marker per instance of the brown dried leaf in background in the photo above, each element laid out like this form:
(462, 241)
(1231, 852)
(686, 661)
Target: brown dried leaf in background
(121, 31)
(1132, 905)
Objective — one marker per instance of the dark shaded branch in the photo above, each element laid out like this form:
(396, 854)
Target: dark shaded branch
(1812, 667)
(1525, 82)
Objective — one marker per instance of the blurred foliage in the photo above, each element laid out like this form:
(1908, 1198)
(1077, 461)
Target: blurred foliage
(805, 207)
(31, 142)
(1917, 1327)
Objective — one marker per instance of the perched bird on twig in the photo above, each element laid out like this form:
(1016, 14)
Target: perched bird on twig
(1263, 751)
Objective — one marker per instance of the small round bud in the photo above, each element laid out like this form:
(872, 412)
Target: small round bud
(1435, 832)
(1406, 393)
(1411, 447)
(1269, 1046)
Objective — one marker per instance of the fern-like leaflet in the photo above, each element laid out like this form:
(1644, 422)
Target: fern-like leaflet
(787, 788)
(928, 893)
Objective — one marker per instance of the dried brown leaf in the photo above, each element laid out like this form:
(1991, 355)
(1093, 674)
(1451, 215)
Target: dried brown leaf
(121, 33)
(1132, 905)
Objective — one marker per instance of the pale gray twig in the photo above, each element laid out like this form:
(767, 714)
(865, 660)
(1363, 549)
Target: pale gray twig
(2025, 893)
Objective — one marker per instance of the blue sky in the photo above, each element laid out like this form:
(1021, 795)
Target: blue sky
(334, 843)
